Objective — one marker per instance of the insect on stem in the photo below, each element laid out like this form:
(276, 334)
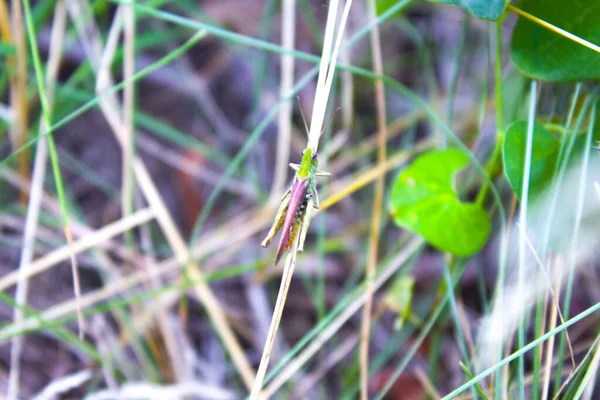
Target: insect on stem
(296, 207)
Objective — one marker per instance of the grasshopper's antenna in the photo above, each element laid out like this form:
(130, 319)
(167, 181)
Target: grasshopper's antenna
(302, 113)
(330, 119)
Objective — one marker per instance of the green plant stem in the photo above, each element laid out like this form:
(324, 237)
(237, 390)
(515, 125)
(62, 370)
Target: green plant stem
(498, 78)
(446, 292)
(589, 373)
(496, 367)
(466, 25)
(449, 268)
(578, 218)
(437, 312)
(94, 102)
(523, 232)
(537, 352)
(47, 118)
(493, 169)
(6, 333)
(477, 387)
(494, 166)
(556, 183)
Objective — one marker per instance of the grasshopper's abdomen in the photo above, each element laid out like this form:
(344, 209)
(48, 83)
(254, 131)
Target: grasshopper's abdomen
(293, 218)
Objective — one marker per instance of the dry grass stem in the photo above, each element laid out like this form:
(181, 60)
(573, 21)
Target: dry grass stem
(125, 20)
(553, 294)
(325, 79)
(127, 186)
(58, 181)
(326, 70)
(162, 129)
(426, 383)
(63, 385)
(35, 201)
(18, 89)
(549, 349)
(151, 391)
(347, 95)
(317, 343)
(588, 392)
(284, 120)
(110, 107)
(286, 280)
(571, 372)
(190, 167)
(376, 210)
(86, 242)
(225, 235)
(5, 29)
(328, 363)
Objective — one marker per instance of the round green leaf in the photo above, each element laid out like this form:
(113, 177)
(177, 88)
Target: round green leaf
(544, 154)
(425, 201)
(483, 9)
(543, 54)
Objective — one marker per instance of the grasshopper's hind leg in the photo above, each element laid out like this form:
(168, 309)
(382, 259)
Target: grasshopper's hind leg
(315, 197)
(304, 225)
(279, 218)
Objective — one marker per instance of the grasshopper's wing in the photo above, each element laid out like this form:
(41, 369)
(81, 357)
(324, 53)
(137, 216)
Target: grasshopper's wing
(279, 219)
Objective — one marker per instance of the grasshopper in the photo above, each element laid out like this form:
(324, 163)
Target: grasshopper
(296, 207)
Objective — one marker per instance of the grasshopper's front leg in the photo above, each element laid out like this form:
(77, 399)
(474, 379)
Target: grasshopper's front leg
(279, 218)
(304, 225)
(296, 167)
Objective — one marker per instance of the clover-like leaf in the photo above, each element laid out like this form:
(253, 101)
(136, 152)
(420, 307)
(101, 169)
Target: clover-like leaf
(425, 201)
(543, 54)
(544, 155)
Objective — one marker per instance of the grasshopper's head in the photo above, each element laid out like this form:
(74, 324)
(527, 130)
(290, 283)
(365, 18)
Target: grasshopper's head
(309, 163)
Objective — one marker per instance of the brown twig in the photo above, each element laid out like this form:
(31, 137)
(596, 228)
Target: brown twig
(18, 82)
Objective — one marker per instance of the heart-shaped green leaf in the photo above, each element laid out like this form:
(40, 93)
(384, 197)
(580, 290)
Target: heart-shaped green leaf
(424, 200)
(483, 9)
(543, 54)
(544, 154)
